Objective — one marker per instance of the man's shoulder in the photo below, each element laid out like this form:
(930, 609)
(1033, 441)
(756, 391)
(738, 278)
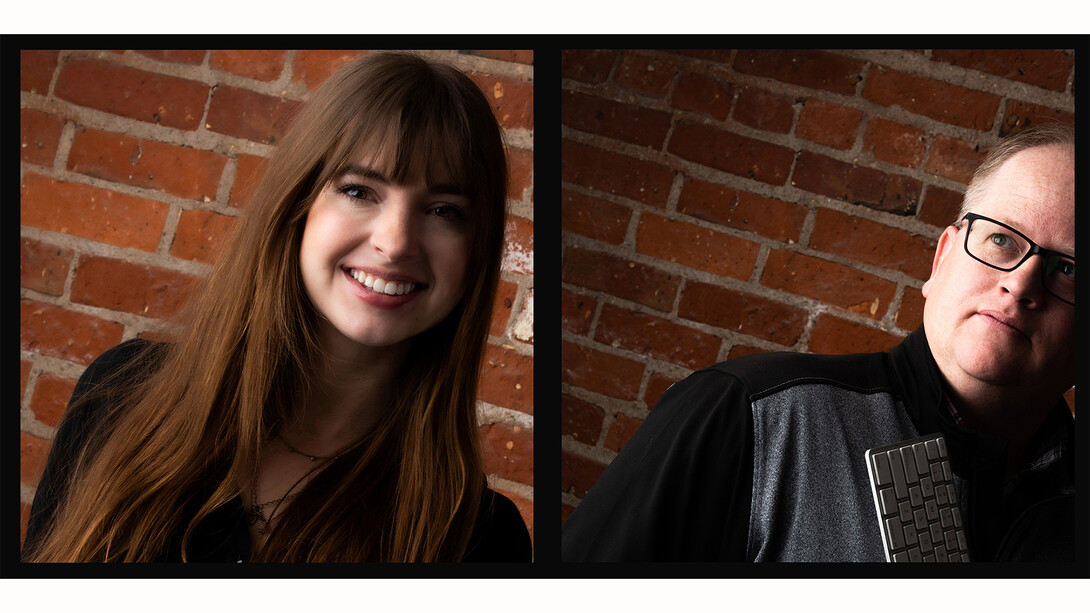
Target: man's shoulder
(767, 373)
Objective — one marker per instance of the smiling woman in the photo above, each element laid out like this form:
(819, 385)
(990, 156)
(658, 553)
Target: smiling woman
(307, 412)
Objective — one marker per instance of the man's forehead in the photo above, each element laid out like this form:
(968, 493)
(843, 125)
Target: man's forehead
(1034, 192)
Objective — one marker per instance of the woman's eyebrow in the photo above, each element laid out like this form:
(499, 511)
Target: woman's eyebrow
(366, 172)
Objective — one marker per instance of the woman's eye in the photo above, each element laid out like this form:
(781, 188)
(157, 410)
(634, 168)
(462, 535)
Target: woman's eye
(449, 212)
(357, 192)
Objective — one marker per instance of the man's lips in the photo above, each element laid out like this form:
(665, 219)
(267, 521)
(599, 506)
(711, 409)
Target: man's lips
(1005, 321)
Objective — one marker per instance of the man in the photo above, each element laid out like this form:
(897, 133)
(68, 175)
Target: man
(762, 458)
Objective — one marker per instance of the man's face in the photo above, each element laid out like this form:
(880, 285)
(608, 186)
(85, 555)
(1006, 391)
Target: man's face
(990, 329)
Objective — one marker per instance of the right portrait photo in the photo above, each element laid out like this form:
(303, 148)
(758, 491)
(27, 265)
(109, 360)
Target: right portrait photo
(819, 306)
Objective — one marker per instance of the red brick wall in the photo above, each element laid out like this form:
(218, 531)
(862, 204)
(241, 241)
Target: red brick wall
(718, 203)
(135, 164)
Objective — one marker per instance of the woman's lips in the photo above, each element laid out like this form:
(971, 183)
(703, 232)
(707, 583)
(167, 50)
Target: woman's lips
(382, 299)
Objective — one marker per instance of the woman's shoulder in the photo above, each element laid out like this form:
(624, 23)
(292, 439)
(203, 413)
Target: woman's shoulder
(500, 534)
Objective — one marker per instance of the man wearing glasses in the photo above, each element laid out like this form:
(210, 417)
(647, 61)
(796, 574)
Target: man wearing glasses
(762, 458)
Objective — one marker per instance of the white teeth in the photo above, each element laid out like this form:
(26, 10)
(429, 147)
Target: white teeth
(382, 286)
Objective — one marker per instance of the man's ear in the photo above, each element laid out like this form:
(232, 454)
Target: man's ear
(946, 243)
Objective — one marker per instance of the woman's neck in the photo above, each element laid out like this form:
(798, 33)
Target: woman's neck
(350, 392)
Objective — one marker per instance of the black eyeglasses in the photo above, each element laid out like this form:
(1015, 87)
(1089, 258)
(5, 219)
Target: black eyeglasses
(1002, 247)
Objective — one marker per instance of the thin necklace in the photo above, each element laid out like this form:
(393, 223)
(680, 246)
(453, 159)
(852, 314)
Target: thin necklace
(256, 511)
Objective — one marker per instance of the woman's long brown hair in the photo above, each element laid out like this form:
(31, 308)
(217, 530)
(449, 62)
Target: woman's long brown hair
(183, 429)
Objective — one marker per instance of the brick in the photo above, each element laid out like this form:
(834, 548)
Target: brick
(586, 65)
(954, 159)
(24, 375)
(626, 122)
(869, 242)
(1045, 68)
(39, 135)
(246, 114)
(1021, 115)
(835, 336)
(51, 395)
(828, 124)
(313, 66)
(127, 287)
(895, 143)
(599, 372)
(33, 453)
(743, 350)
(741, 312)
(696, 247)
(715, 55)
(181, 171)
(67, 335)
(764, 110)
(580, 419)
(646, 75)
(192, 57)
(519, 56)
(593, 217)
(248, 171)
(702, 94)
(603, 272)
(808, 68)
(259, 64)
(829, 282)
(910, 315)
(655, 337)
(578, 474)
(645, 182)
(506, 294)
(657, 384)
(201, 235)
(622, 429)
(738, 155)
(507, 379)
(520, 163)
(36, 68)
(576, 312)
(518, 245)
(940, 206)
(856, 184)
(128, 92)
(43, 267)
(508, 451)
(91, 212)
(769, 217)
(512, 101)
(922, 95)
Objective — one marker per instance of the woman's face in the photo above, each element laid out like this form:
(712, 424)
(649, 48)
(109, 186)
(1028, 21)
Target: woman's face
(384, 261)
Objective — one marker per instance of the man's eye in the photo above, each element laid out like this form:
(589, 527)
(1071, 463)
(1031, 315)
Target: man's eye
(1067, 269)
(1000, 240)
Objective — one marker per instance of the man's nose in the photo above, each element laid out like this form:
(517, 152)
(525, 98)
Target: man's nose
(1026, 283)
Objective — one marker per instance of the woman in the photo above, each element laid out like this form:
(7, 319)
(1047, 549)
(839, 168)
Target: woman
(321, 404)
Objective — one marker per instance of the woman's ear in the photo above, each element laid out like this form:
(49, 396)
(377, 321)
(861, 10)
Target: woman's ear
(946, 242)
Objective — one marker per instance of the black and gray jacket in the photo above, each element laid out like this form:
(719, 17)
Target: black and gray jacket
(762, 459)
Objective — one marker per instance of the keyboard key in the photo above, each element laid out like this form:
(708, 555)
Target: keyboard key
(900, 487)
(962, 544)
(931, 509)
(936, 473)
(929, 558)
(932, 449)
(925, 541)
(896, 536)
(914, 555)
(936, 534)
(910, 465)
(946, 470)
(911, 537)
(889, 501)
(940, 496)
(956, 513)
(905, 511)
(915, 497)
(940, 554)
(901, 556)
(925, 487)
(950, 540)
(941, 443)
(951, 493)
(881, 469)
(921, 519)
(945, 518)
(920, 454)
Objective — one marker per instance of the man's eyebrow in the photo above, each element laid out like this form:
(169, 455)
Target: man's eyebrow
(367, 172)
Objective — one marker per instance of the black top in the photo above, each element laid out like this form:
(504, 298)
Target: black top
(500, 534)
(681, 489)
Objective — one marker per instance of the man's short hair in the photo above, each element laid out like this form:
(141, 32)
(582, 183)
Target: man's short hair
(1038, 136)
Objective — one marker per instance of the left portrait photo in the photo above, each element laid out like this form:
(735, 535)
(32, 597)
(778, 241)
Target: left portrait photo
(276, 306)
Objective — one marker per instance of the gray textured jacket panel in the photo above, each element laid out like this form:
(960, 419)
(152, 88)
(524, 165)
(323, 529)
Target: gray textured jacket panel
(811, 494)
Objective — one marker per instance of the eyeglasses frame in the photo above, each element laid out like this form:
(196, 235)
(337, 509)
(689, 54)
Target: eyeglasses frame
(1034, 249)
